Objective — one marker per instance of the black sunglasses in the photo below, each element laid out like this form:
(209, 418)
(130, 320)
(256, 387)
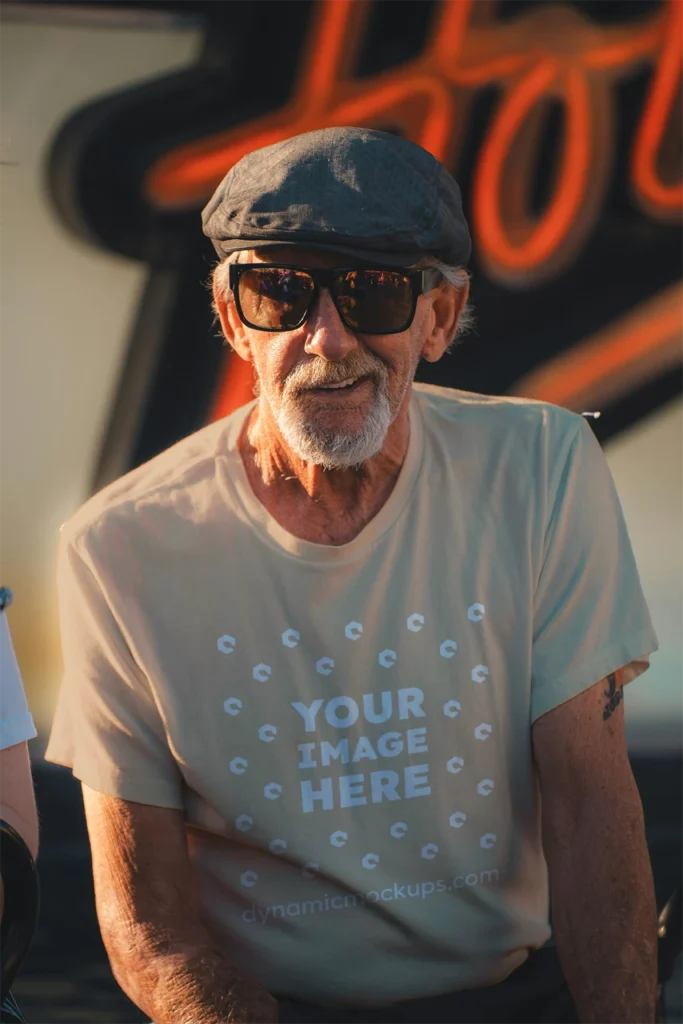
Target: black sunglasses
(279, 297)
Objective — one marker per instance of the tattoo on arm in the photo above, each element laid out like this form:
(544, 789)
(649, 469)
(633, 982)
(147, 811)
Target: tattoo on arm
(614, 696)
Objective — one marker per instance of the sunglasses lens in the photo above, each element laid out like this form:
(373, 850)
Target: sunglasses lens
(275, 298)
(375, 301)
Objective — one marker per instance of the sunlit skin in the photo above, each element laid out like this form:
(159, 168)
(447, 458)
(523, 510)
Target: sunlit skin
(331, 506)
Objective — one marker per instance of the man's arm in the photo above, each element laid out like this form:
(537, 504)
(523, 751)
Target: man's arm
(161, 954)
(601, 887)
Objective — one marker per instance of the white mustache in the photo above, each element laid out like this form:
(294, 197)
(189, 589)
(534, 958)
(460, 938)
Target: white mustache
(307, 376)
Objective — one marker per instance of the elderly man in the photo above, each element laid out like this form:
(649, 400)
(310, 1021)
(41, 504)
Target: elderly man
(344, 670)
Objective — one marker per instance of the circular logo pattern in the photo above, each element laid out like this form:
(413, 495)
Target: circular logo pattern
(353, 631)
(387, 658)
(290, 638)
(226, 644)
(448, 649)
(476, 612)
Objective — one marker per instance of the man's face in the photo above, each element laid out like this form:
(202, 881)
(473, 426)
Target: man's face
(332, 393)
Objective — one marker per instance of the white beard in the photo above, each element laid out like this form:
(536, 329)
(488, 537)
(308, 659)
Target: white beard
(323, 447)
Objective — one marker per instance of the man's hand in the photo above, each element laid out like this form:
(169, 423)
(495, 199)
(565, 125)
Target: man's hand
(602, 893)
(161, 954)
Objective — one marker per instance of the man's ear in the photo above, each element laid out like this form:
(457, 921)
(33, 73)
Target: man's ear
(447, 307)
(231, 325)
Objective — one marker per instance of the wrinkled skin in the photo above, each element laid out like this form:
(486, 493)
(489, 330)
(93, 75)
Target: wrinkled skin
(317, 503)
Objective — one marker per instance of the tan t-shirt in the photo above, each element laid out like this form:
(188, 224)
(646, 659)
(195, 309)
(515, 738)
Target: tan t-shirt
(347, 729)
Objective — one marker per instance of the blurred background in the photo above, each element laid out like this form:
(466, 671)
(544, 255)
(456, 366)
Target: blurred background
(562, 122)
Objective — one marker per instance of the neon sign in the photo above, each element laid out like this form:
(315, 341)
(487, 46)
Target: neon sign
(579, 301)
(549, 53)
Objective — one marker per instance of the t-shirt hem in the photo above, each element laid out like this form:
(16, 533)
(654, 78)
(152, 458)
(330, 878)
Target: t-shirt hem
(18, 730)
(551, 694)
(156, 794)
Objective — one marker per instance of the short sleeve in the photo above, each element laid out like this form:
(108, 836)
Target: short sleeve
(107, 727)
(590, 615)
(16, 721)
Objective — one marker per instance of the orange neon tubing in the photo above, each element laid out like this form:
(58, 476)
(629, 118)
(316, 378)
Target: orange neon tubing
(368, 106)
(565, 379)
(655, 116)
(450, 30)
(640, 41)
(187, 173)
(483, 74)
(235, 388)
(327, 49)
(190, 167)
(321, 98)
(620, 351)
(554, 225)
(192, 171)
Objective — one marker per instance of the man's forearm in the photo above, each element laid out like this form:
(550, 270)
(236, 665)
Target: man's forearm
(604, 913)
(192, 984)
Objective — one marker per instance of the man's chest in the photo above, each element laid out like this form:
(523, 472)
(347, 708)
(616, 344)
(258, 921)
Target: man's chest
(336, 696)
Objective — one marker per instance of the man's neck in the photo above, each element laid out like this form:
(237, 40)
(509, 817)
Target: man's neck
(318, 505)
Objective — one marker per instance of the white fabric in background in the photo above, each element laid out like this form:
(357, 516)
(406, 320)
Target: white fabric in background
(16, 721)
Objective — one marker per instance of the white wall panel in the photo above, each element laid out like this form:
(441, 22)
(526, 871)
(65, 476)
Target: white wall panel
(647, 465)
(65, 313)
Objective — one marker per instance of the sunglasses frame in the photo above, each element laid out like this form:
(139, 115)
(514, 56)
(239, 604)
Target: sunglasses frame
(421, 281)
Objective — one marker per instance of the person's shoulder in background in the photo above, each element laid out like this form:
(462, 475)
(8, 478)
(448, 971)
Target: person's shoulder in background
(17, 799)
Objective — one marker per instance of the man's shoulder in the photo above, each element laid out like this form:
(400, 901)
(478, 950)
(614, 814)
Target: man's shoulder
(164, 483)
(443, 408)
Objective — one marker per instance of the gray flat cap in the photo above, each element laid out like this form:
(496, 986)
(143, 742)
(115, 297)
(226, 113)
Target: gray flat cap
(364, 193)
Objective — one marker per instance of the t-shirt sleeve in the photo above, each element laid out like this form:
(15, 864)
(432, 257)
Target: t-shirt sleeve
(16, 721)
(590, 615)
(107, 727)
